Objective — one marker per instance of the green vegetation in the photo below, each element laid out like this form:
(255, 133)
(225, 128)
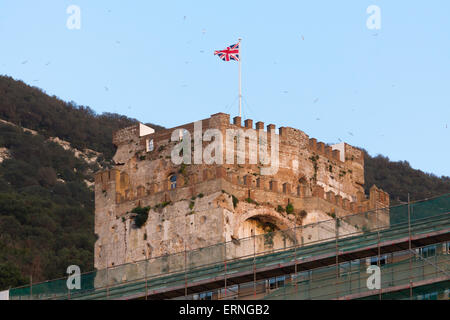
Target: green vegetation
(182, 169)
(162, 205)
(250, 200)
(269, 233)
(46, 208)
(235, 201)
(289, 208)
(32, 108)
(315, 165)
(141, 216)
(331, 214)
(280, 209)
(398, 179)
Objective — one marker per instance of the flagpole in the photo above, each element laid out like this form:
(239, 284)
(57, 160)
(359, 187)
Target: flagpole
(240, 89)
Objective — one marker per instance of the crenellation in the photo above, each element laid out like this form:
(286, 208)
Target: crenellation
(321, 147)
(313, 144)
(189, 202)
(328, 152)
(270, 128)
(336, 155)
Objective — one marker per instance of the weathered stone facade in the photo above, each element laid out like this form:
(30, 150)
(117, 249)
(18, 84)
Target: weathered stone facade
(198, 205)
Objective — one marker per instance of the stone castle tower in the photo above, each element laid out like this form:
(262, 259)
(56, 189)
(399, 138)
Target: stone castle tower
(197, 205)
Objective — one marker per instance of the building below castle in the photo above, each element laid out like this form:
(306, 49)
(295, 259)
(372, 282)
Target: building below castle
(200, 203)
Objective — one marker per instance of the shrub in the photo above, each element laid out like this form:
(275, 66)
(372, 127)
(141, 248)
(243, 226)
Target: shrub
(303, 214)
(235, 201)
(289, 208)
(141, 216)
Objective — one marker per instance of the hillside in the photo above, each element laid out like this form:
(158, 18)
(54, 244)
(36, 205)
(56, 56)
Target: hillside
(49, 150)
(31, 108)
(399, 179)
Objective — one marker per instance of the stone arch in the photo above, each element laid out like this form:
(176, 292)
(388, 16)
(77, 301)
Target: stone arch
(265, 215)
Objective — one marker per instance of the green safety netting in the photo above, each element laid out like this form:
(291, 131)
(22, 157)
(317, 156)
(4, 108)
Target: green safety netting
(352, 232)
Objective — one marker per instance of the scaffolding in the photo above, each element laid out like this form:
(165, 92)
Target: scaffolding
(323, 244)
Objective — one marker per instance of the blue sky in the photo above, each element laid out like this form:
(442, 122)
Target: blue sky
(314, 66)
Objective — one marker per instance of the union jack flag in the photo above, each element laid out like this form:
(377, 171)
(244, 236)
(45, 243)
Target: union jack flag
(230, 53)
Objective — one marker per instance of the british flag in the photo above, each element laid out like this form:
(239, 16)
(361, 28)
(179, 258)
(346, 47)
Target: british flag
(230, 53)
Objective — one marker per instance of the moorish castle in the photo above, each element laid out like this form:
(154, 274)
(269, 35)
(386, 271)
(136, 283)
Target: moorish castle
(197, 205)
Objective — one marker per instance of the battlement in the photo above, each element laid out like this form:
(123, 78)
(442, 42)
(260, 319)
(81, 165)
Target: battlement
(202, 202)
(287, 136)
(325, 150)
(248, 183)
(340, 166)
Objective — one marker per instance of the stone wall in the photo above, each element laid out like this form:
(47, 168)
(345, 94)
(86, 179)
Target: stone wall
(227, 202)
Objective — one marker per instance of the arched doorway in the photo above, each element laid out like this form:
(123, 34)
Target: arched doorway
(263, 230)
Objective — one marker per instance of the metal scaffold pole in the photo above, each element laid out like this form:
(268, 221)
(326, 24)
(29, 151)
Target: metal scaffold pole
(107, 277)
(254, 265)
(295, 259)
(146, 285)
(378, 262)
(337, 255)
(410, 249)
(185, 271)
(225, 268)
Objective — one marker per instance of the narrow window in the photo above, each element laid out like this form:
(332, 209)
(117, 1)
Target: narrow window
(173, 181)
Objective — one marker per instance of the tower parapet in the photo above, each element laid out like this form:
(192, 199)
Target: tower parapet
(233, 199)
